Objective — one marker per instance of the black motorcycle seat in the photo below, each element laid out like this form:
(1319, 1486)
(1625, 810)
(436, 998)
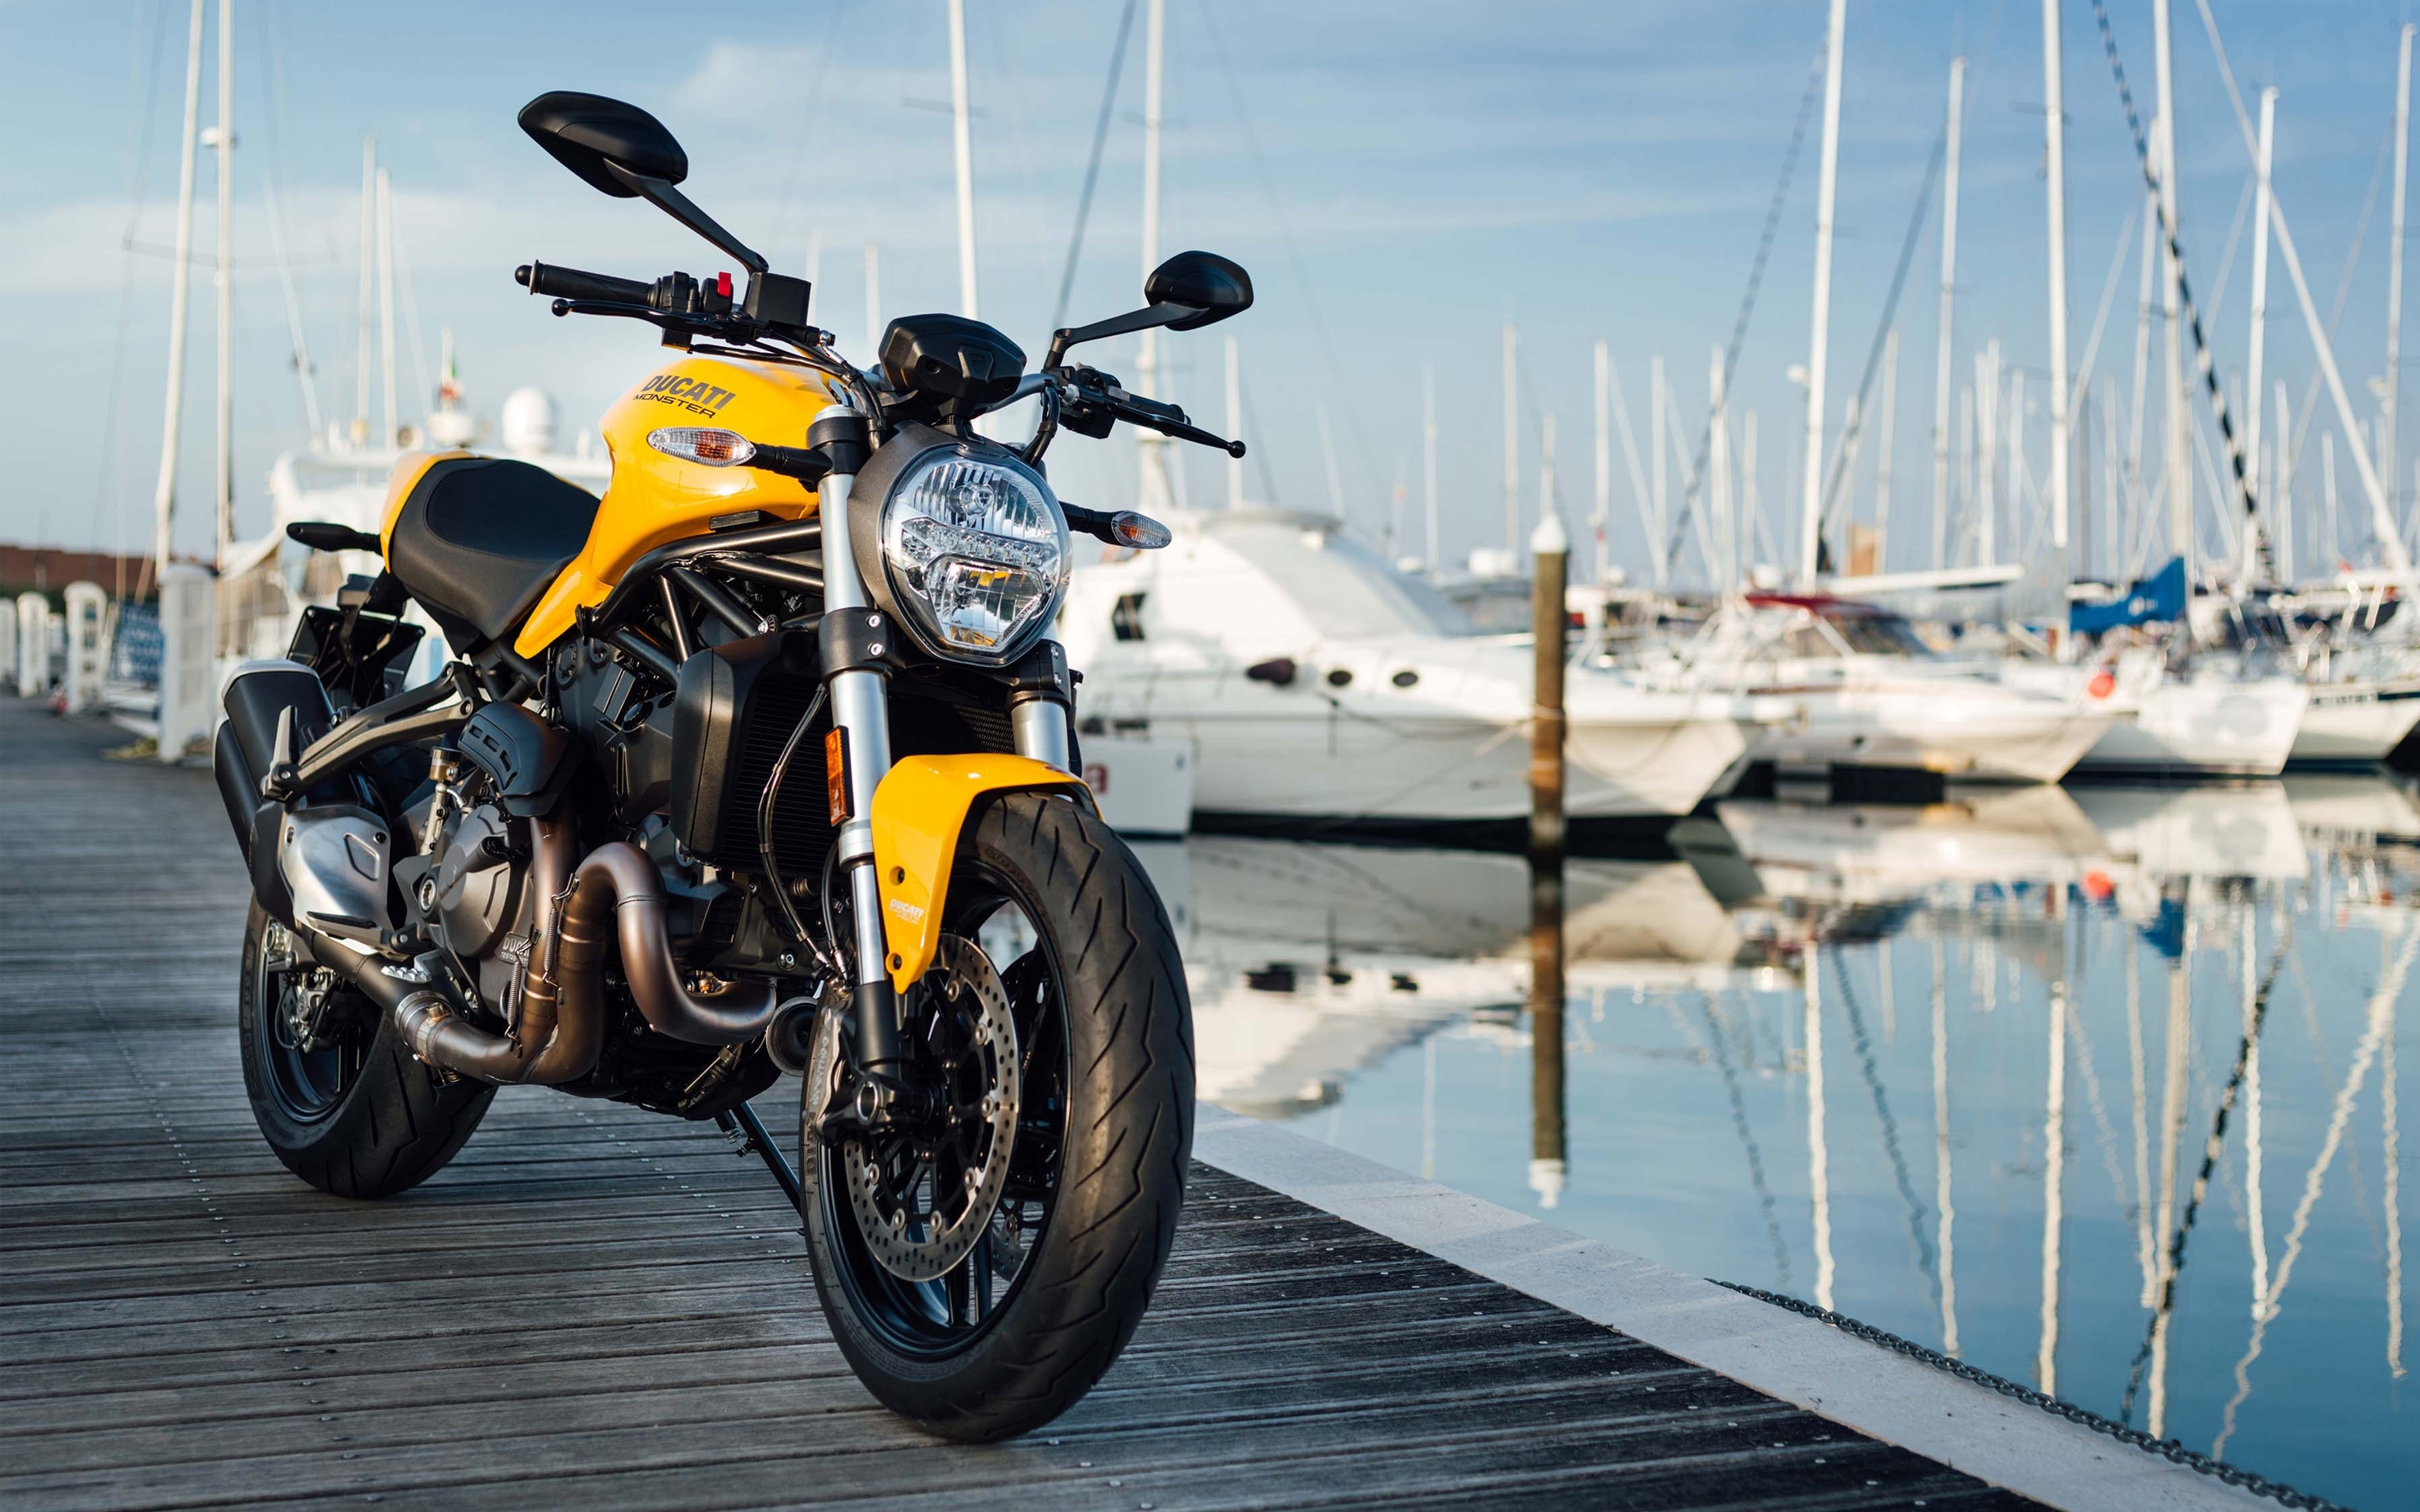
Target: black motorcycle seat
(479, 540)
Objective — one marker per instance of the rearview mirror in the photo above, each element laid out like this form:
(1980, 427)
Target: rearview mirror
(1215, 286)
(621, 150)
(591, 134)
(1188, 291)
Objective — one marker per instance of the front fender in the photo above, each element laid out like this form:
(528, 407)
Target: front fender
(920, 806)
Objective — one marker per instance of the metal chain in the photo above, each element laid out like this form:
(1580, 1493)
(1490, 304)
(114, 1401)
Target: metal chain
(2172, 1450)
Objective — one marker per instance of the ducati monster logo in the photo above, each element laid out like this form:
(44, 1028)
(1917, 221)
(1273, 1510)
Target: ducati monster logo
(696, 396)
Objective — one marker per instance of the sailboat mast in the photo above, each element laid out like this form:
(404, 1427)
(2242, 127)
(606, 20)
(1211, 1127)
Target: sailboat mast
(2259, 327)
(2054, 156)
(1603, 456)
(1718, 477)
(1152, 447)
(387, 311)
(1235, 424)
(872, 302)
(1656, 403)
(163, 501)
(1942, 362)
(302, 370)
(962, 139)
(2177, 464)
(369, 275)
(1810, 501)
(2387, 418)
(224, 485)
(1427, 456)
(1512, 444)
(2281, 470)
(1883, 442)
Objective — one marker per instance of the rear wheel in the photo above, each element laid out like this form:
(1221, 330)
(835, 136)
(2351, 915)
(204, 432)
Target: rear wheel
(982, 1270)
(337, 1094)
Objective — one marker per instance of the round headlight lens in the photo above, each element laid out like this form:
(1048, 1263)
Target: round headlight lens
(977, 553)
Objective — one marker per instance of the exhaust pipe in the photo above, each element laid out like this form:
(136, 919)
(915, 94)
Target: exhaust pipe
(613, 896)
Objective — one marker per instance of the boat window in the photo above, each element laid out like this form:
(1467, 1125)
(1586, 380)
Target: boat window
(1125, 619)
(1808, 642)
(1880, 635)
(1341, 586)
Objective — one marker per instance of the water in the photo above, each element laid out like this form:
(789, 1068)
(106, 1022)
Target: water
(1952, 1070)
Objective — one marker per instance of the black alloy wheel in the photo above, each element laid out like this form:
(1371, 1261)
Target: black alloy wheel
(923, 1174)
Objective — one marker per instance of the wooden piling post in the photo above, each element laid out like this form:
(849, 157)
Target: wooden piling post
(1551, 548)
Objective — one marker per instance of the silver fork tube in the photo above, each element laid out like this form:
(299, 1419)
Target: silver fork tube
(1040, 730)
(862, 714)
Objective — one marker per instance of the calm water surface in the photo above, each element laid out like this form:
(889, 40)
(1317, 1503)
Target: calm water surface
(2096, 1089)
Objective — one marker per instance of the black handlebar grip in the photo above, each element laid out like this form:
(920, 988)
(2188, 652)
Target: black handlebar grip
(571, 283)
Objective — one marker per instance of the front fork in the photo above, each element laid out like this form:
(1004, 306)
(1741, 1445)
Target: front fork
(855, 645)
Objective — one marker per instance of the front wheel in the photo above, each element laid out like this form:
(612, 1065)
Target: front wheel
(982, 1272)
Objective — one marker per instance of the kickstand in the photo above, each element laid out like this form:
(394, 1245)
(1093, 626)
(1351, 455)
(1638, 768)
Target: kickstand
(747, 1135)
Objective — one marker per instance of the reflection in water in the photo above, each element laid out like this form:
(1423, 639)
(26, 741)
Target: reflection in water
(1723, 1082)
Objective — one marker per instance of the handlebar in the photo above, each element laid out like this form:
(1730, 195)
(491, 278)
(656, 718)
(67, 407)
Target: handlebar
(572, 284)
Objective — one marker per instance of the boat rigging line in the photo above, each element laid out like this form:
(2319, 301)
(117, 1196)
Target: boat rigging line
(2211, 1147)
(2202, 359)
(1092, 167)
(1690, 489)
(1836, 484)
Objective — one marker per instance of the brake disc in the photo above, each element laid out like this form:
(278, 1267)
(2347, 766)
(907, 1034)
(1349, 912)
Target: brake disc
(918, 1214)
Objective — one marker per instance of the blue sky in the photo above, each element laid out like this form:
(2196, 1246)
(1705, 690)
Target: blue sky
(1399, 177)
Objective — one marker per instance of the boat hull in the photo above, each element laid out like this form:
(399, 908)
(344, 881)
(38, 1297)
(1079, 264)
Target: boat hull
(2205, 729)
(2355, 725)
(1975, 731)
(1445, 771)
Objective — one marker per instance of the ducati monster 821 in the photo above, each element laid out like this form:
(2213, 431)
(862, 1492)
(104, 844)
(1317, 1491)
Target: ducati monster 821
(761, 763)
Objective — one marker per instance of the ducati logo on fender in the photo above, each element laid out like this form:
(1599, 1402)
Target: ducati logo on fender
(695, 395)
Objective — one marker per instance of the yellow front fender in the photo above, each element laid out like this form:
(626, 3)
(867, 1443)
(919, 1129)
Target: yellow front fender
(920, 805)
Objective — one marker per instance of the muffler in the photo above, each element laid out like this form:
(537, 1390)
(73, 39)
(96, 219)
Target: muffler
(260, 695)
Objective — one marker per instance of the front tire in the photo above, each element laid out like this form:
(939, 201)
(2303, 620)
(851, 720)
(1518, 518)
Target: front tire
(336, 1092)
(1029, 1321)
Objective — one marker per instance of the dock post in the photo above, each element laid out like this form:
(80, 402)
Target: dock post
(1551, 547)
(87, 621)
(188, 636)
(33, 644)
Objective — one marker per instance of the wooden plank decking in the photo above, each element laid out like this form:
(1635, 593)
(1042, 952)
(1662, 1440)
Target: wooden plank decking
(598, 1307)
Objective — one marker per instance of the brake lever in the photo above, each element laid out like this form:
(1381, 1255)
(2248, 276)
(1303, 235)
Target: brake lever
(1182, 431)
(1111, 399)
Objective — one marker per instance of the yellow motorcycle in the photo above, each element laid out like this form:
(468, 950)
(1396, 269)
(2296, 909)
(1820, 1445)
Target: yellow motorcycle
(760, 764)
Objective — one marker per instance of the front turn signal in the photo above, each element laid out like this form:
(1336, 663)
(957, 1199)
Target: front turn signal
(1140, 531)
(693, 443)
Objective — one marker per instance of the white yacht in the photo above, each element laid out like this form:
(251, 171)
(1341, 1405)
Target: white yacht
(1316, 683)
(2214, 720)
(1875, 695)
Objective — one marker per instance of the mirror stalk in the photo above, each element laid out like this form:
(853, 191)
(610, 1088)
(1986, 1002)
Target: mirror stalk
(663, 196)
(1149, 317)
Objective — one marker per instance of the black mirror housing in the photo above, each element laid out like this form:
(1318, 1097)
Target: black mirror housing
(587, 132)
(1217, 286)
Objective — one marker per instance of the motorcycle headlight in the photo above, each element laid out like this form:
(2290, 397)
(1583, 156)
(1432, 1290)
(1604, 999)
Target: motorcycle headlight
(976, 554)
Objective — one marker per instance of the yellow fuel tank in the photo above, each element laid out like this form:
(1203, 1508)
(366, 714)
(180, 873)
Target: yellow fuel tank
(654, 499)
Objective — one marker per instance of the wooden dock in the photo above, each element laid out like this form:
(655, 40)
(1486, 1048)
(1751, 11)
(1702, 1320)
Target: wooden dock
(602, 1308)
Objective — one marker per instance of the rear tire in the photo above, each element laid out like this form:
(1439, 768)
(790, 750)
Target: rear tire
(353, 1113)
(1106, 1034)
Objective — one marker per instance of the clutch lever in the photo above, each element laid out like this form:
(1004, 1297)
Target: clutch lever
(1183, 431)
